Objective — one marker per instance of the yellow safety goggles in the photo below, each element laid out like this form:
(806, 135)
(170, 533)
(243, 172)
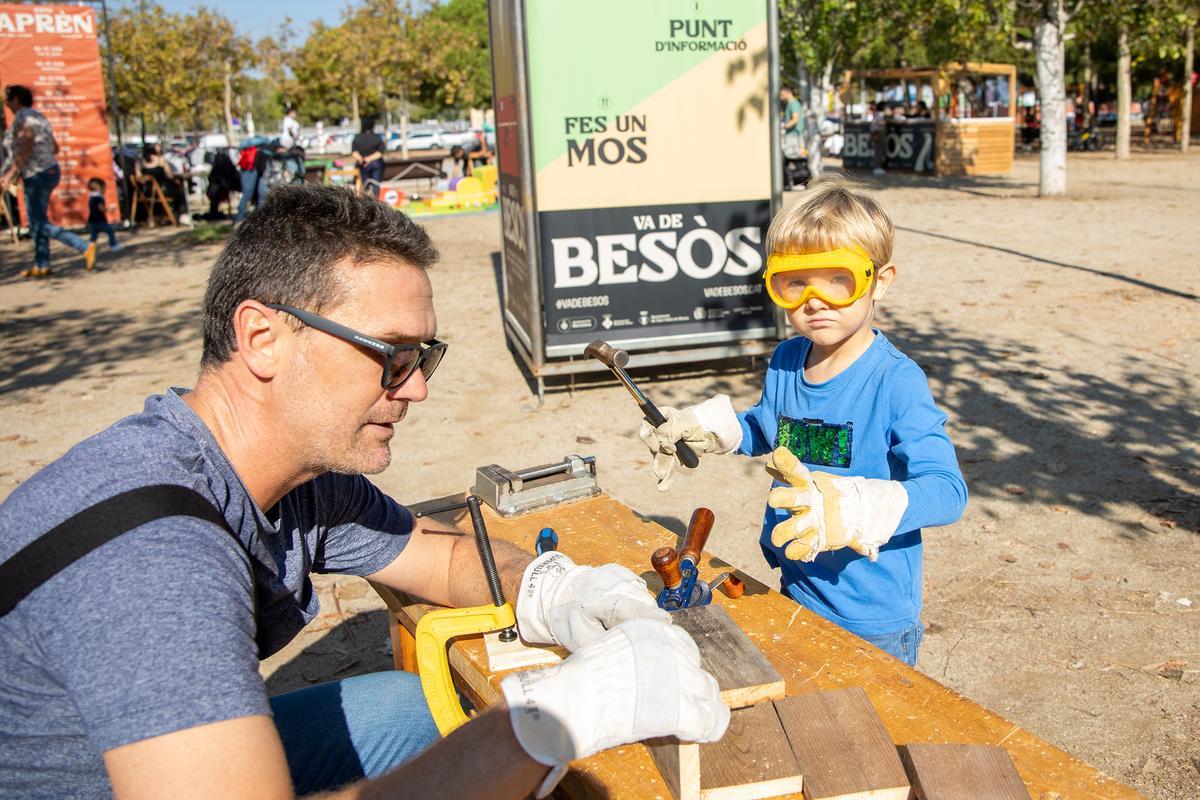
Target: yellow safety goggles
(838, 277)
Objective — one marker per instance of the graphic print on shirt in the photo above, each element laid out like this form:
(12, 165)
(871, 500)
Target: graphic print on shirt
(817, 442)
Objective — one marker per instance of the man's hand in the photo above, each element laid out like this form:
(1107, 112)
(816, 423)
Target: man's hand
(830, 512)
(640, 680)
(709, 427)
(562, 603)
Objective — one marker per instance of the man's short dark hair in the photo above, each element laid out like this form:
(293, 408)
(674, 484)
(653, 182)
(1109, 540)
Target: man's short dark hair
(19, 93)
(287, 250)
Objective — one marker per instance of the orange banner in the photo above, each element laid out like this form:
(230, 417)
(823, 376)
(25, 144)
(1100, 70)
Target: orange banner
(54, 51)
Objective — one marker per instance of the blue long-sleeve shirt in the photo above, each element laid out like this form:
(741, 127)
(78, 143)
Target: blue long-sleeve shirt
(876, 419)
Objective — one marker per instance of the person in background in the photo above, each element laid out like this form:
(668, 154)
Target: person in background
(922, 111)
(155, 166)
(367, 151)
(289, 142)
(459, 165)
(98, 215)
(251, 162)
(289, 134)
(795, 160)
(34, 160)
(879, 139)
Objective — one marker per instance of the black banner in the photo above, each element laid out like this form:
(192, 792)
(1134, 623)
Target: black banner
(911, 146)
(518, 286)
(653, 271)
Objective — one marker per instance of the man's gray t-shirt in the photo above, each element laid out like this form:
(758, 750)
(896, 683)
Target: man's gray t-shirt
(156, 631)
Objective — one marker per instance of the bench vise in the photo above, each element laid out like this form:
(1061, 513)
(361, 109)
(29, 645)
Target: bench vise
(515, 492)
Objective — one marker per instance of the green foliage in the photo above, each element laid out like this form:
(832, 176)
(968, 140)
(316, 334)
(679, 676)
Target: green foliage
(170, 68)
(459, 73)
(863, 34)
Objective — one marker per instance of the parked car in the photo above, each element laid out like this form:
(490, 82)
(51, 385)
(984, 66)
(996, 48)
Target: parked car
(417, 140)
(463, 139)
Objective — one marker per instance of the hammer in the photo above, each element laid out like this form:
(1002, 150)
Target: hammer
(616, 360)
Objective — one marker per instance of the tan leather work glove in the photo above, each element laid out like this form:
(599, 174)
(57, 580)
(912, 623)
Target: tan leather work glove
(708, 427)
(828, 512)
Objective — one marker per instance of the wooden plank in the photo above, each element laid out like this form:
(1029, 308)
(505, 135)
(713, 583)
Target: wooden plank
(810, 652)
(752, 760)
(742, 671)
(842, 747)
(952, 771)
(517, 655)
(679, 764)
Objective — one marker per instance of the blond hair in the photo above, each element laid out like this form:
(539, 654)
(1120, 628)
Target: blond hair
(833, 212)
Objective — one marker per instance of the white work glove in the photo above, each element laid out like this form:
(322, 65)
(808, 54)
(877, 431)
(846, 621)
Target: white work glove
(829, 512)
(563, 603)
(640, 680)
(708, 427)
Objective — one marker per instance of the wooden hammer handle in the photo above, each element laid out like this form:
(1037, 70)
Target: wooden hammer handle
(697, 535)
(666, 563)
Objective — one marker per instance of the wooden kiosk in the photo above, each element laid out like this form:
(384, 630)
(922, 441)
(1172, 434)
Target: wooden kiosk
(962, 138)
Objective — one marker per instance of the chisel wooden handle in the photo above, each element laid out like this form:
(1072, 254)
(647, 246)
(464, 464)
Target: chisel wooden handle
(683, 450)
(666, 563)
(734, 586)
(697, 535)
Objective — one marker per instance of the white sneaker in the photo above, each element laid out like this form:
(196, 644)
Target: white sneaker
(116, 248)
(185, 219)
(879, 171)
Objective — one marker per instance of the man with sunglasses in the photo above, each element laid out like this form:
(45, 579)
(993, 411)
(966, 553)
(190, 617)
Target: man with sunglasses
(144, 574)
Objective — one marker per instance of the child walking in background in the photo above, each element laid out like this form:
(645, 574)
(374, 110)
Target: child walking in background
(859, 453)
(97, 221)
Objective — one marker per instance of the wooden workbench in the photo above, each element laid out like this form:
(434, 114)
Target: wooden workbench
(808, 651)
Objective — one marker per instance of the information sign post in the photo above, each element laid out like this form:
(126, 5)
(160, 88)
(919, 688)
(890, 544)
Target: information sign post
(638, 175)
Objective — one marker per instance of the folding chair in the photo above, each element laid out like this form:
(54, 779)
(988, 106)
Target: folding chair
(151, 194)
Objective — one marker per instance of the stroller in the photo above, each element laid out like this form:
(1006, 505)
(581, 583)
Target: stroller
(284, 167)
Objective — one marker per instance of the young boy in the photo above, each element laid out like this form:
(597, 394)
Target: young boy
(97, 220)
(842, 400)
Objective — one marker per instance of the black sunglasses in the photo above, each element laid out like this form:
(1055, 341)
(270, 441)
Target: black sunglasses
(400, 360)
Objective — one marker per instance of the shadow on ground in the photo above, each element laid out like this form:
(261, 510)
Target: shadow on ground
(87, 344)
(160, 246)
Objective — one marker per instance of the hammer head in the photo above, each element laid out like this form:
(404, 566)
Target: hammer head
(606, 354)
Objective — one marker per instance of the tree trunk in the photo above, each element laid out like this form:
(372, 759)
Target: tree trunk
(1088, 77)
(1051, 65)
(1188, 57)
(404, 125)
(1123, 93)
(354, 118)
(229, 103)
(811, 94)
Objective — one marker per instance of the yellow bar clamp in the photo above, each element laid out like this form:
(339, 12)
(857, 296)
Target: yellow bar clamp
(434, 632)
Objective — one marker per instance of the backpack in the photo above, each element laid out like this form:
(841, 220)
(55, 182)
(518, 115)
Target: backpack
(246, 158)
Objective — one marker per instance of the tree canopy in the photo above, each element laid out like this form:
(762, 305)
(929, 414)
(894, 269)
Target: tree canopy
(392, 55)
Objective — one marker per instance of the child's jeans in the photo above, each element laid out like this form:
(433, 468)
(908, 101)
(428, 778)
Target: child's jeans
(904, 644)
(97, 228)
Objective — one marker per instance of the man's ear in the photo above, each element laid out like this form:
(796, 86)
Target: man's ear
(259, 332)
(884, 277)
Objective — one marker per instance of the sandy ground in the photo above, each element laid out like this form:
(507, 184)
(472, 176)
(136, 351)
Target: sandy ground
(1061, 336)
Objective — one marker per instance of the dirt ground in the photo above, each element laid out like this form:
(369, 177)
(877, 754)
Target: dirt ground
(1061, 336)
